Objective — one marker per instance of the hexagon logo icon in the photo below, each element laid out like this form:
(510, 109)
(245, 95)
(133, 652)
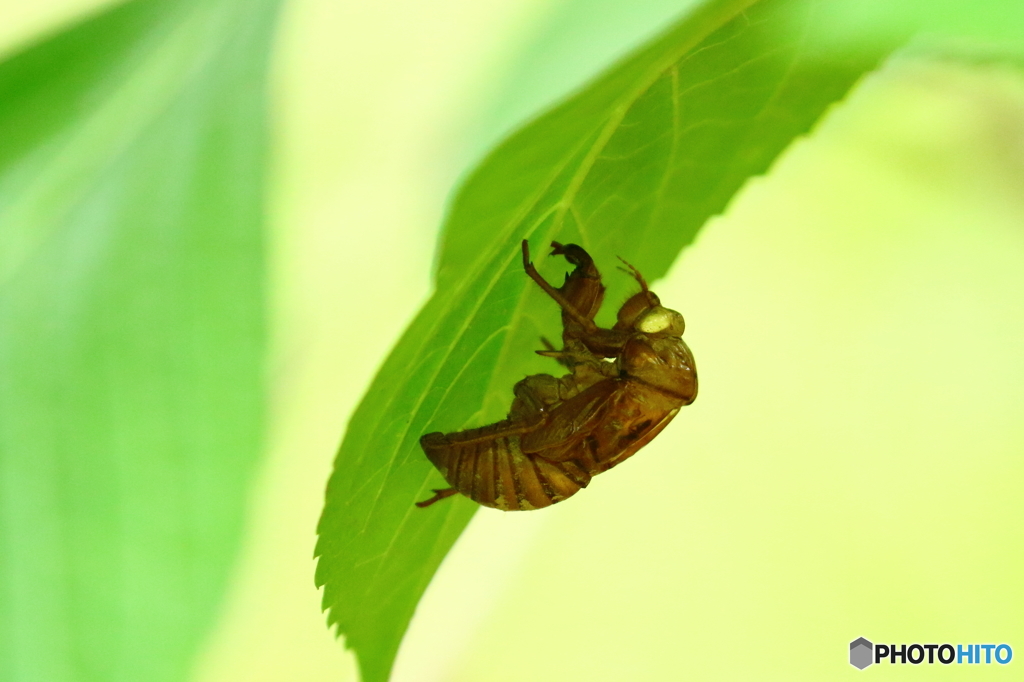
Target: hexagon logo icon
(861, 653)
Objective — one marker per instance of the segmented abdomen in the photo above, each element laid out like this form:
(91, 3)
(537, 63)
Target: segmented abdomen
(488, 466)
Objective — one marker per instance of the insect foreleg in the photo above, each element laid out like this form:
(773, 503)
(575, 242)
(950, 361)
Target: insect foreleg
(568, 307)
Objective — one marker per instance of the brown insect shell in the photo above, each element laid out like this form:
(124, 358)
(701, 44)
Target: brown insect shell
(634, 414)
(656, 376)
(562, 431)
(488, 464)
(662, 361)
(614, 418)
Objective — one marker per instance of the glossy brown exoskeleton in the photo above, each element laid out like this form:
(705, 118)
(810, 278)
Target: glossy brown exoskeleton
(626, 383)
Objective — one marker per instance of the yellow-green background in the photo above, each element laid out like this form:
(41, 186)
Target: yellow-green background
(853, 464)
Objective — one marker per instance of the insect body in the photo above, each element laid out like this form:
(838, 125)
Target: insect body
(560, 432)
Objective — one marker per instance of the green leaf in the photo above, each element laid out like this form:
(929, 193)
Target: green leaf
(633, 165)
(131, 333)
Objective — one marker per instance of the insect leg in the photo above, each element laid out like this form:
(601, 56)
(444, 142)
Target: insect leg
(568, 307)
(439, 494)
(560, 356)
(534, 395)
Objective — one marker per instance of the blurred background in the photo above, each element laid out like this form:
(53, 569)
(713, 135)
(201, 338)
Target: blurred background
(852, 466)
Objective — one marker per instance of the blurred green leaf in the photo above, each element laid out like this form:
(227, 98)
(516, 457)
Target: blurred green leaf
(131, 333)
(632, 165)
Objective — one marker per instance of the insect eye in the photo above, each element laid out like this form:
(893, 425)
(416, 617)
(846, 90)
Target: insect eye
(654, 321)
(660, 319)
